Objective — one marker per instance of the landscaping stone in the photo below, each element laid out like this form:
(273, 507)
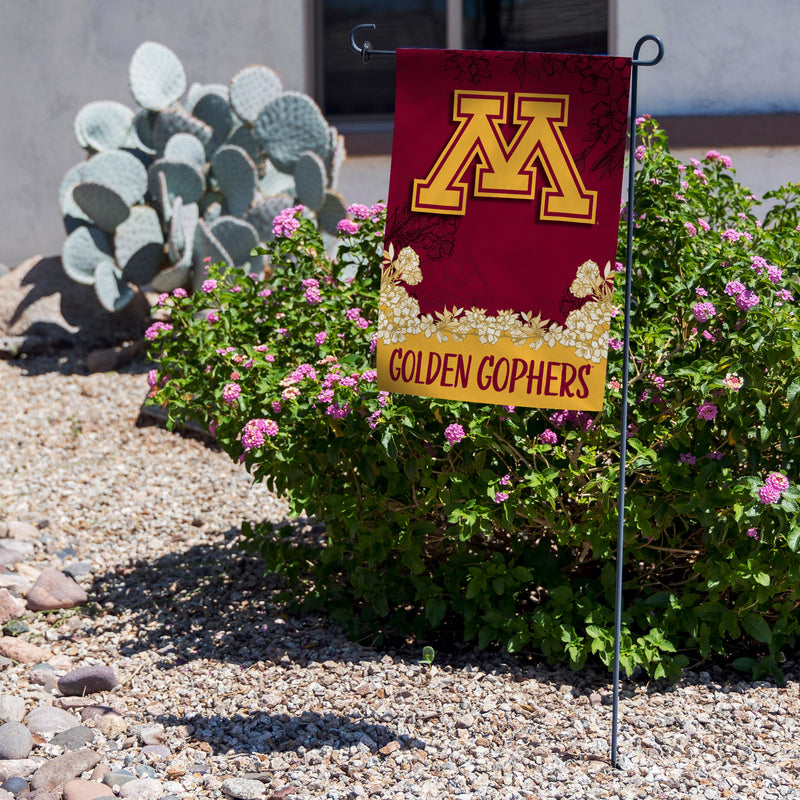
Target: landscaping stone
(49, 720)
(53, 590)
(87, 680)
(59, 770)
(15, 741)
(22, 651)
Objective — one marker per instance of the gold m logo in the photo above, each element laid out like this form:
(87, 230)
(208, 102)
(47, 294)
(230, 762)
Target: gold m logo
(507, 169)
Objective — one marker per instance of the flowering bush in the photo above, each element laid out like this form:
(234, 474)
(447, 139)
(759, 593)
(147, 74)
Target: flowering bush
(499, 523)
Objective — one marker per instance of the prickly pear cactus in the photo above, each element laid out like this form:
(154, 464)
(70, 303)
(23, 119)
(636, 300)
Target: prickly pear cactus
(190, 174)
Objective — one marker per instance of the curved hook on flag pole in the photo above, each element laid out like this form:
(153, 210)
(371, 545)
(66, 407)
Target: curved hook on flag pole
(653, 61)
(366, 50)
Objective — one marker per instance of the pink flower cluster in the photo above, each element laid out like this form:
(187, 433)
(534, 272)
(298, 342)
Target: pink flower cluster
(208, 286)
(548, 436)
(348, 227)
(297, 375)
(734, 287)
(580, 419)
(156, 328)
(707, 411)
(703, 311)
(713, 155)
(774, 274)
(746, 300)
(733, 381)
(360, 211)
(311, 285)
(286, 223)
(454, 433)
(773, 488)
(231, 392)
(255, 430)
(336, 411)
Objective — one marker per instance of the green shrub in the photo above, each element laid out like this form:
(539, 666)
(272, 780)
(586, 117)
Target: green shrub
(500, 523)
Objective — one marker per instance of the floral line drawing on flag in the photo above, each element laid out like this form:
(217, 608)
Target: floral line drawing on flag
(585, 330)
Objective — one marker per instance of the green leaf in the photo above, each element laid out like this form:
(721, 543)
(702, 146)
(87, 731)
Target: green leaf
(756, 626)
(435, 609)
(793, 537)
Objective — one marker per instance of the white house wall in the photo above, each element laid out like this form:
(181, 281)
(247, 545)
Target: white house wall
(58, 55)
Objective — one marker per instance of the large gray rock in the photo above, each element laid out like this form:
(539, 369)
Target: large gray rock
(40, 306)
(57, 771)
(48, 720)
(15, 741)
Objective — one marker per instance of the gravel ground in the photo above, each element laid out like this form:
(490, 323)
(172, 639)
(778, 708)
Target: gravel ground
(240, 697)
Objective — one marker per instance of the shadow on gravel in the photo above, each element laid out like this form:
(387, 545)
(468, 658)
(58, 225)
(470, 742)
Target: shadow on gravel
(211, 601)
(214, 601)
(64, 359)
(277, 733)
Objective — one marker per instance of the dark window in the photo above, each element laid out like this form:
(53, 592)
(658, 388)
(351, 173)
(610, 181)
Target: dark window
(348, 87)
(559, 26)
(359, 98)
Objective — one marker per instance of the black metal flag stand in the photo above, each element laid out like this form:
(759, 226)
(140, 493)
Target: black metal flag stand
(366, 51)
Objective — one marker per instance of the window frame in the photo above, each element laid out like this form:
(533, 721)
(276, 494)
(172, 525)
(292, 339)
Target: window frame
(372, 135)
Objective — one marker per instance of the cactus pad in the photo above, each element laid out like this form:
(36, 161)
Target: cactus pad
(251, 89)
(139, 245)
(236, 236)
(185, 147)
(274, 182)
(183, 180)
(176, 239)
(206, 246)
(335, 157)
(262, 214)
(120, 171)
(73, 175)
(236, 175)
(310, 178)
(110, 286)
(103, 125)
(332, 211)
(156, 75)
(181, 231)
(178, 120)
(172, 277)
(289, 125)
(171, 184)
(242, 136)
(199, 90)
(216, 113)
(101, 204)
(141, 132)
(83, 250)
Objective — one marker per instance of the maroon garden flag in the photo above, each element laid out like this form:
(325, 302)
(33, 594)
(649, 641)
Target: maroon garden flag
(502, 225)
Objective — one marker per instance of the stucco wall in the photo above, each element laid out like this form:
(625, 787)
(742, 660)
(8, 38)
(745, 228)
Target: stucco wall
(721, 56)
(57, 55)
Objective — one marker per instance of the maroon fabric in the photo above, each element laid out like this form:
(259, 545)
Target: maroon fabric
(500, 254)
